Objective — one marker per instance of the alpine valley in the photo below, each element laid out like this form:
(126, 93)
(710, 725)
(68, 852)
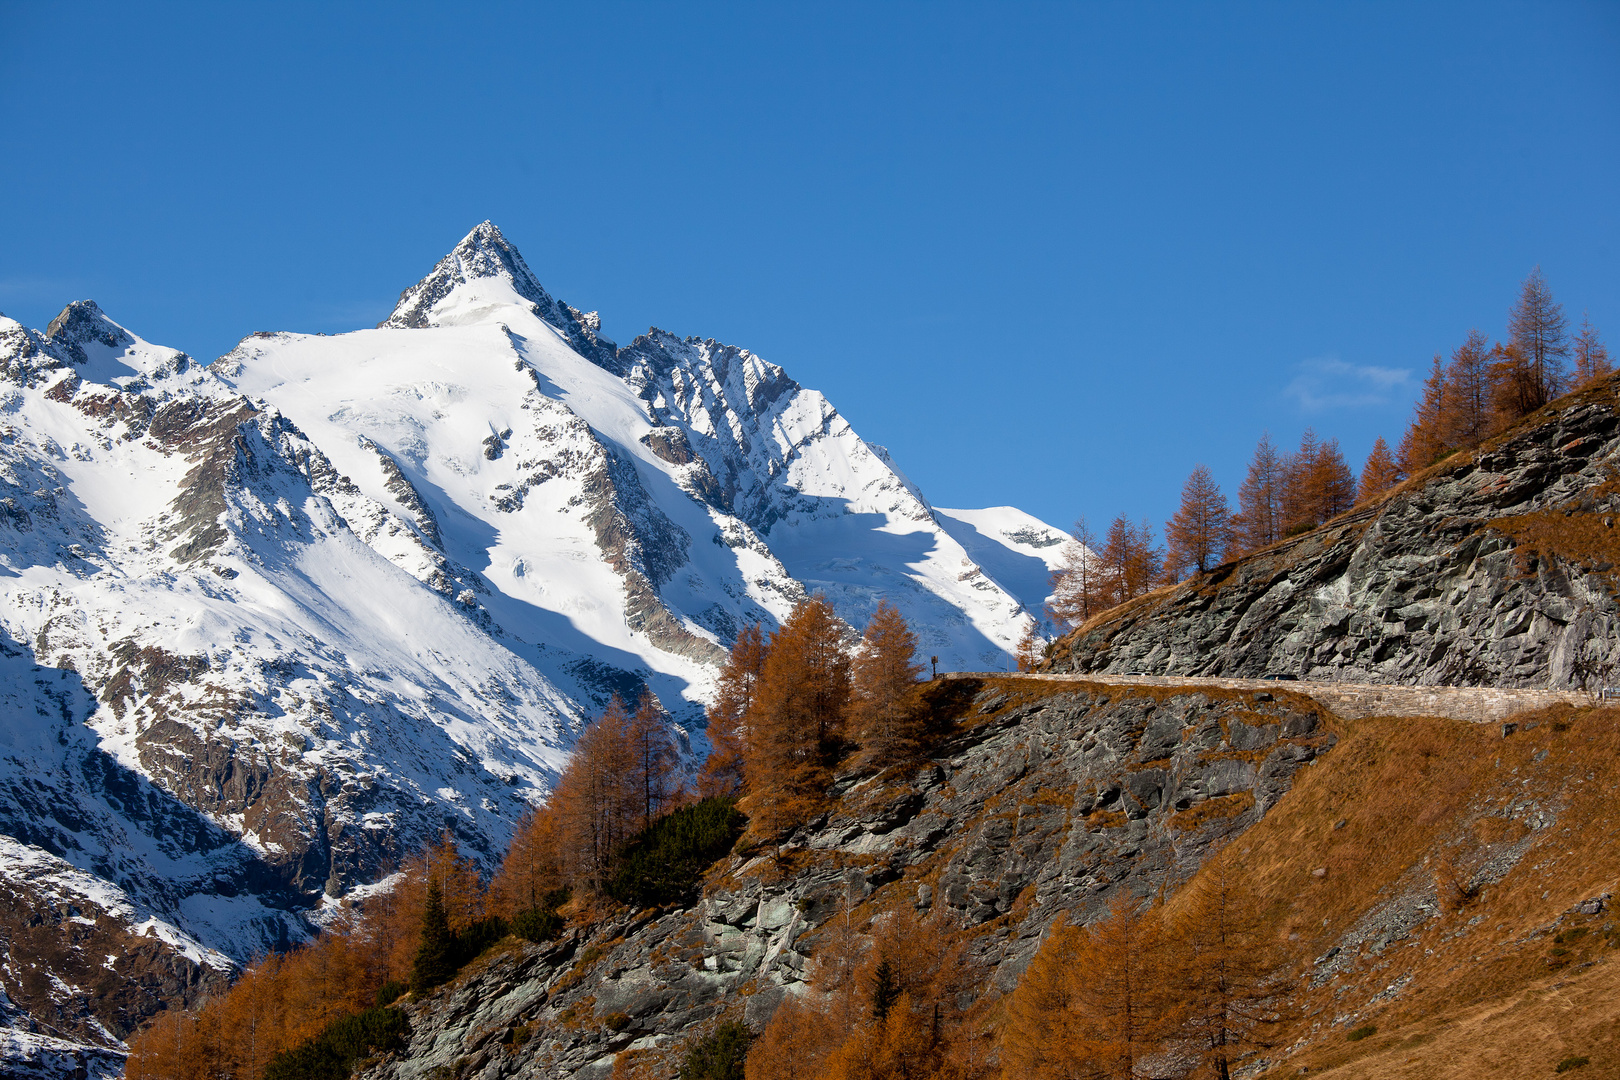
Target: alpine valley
(269, 624)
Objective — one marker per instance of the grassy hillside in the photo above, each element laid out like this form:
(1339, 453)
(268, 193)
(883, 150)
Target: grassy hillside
(1448, 865)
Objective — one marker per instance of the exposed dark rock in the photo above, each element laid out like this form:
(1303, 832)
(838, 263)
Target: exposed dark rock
(1491, 569)
(1052, 798)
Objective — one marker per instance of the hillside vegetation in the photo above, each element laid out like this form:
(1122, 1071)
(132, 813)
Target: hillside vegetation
(1426, 893)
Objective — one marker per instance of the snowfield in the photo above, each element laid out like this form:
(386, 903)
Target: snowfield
(271, 623)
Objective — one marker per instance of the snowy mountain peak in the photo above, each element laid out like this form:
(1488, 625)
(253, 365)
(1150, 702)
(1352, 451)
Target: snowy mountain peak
(481, 281)
(83, 323)
(484, 270)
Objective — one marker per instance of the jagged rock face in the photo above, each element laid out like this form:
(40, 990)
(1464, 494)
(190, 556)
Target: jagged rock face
(1496, 568)
(1048, 801)
(211, 715)
(106, 883)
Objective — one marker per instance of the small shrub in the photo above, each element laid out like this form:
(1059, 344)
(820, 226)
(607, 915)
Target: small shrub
(1299, 530)
(537, 924)
(718, 1055)
(390, 992)
(591, 955)
(331, 1054)
(664, 863)
(1362, 1032)
(616, 1022)
(474, 939)
(1572, 1062)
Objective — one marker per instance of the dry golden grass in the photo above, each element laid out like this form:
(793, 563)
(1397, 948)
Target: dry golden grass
(1424, 804)
(1523, 1034)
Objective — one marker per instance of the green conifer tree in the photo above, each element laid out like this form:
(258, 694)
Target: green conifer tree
(435, 957)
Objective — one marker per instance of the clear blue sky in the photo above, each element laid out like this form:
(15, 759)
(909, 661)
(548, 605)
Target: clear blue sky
(1051, 255)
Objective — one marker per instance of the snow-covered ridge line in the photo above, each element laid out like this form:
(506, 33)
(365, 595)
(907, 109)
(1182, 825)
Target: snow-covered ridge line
(331, 596)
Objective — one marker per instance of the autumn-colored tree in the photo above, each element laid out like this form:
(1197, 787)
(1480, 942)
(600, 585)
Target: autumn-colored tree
(1300, 495)
(723, 772)
(1466, 420)
(532, 868)
(1097, 1001)
(1426, 435)
(1540, 333)
(653, 759)
(887, 713)
(1130, 562)
(1380, 473)
(1591, 358)
(597, 805)
(1259, 520)
(275, 1004)
(1078, 584)
(1031, 647)
(1333, 483)
(884, 1006)
(1514, 391)
(1227, 970)
(799, 713)
(1045, 1036)
(1317, 484)
(1201, 530)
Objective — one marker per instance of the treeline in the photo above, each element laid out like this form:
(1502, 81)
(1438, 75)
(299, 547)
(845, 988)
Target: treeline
(1483, 389)
(1190, 988)
(620, 823)
(790, 708)
(621, 827)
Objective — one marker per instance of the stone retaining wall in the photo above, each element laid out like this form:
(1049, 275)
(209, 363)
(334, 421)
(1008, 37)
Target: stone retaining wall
(1353, 701)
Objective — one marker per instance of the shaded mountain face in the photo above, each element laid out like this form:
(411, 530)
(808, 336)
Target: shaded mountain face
(328, 597)
(1493, 568)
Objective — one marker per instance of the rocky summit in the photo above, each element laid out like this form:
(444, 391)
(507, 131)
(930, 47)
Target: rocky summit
(1495, 567)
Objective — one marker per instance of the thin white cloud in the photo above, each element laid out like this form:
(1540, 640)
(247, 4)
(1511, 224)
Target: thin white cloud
(1326, 382)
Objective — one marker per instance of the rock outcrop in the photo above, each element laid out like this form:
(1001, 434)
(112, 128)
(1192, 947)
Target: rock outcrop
(1048, 798)
(1496, 567)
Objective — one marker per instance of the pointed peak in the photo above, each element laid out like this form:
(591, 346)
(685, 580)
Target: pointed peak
(82, 323)
(483, 256)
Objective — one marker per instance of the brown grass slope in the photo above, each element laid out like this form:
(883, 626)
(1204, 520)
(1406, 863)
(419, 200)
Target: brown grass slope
(1430, 878)
(1495, 566)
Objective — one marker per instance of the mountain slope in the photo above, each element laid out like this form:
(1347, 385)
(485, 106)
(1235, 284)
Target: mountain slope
(1422, 877)
(1495, 567)
(328, 597)
(693, 479)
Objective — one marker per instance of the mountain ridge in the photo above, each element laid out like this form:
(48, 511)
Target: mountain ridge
(333, 620)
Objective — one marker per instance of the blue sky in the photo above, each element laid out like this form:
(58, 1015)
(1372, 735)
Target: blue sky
(1052, 255)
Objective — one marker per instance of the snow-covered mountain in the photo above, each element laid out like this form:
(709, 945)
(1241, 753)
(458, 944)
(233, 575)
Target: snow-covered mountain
(273, 622)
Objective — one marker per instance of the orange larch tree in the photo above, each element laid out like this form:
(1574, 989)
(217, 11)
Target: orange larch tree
(1078, 590)
(654, 759)
(723, 772)
(1540, 333)
(1228, 971)
(885, 671)
(1380, 473)
(597, 806)
(1468, 415)
(799, 714)
(1199, 534)
(1591, 358)
(1259, 520)
(532, 867)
